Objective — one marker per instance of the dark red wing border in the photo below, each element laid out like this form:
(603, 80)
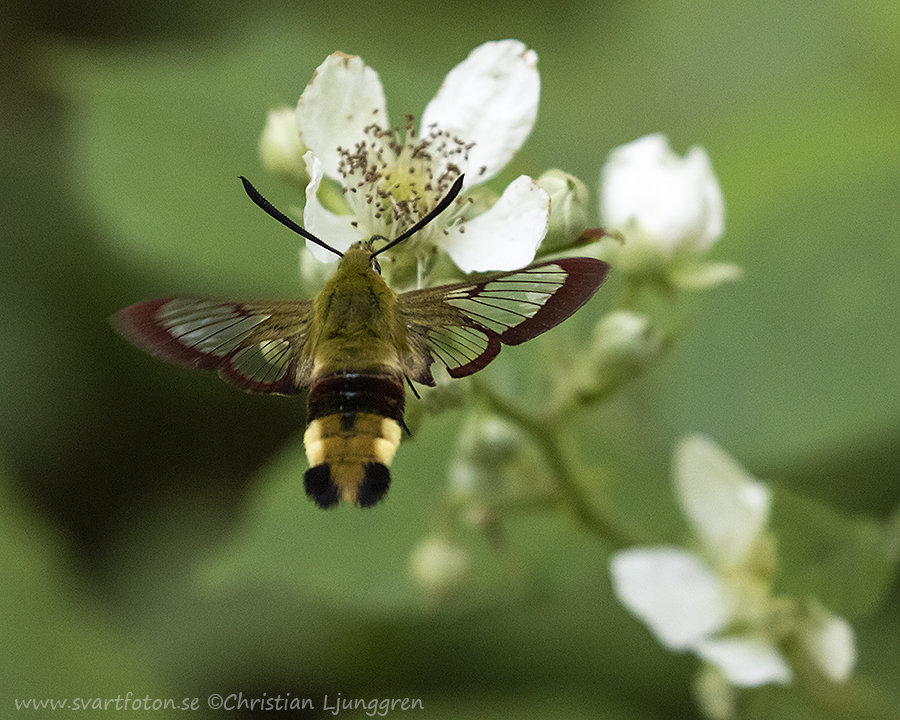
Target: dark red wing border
(463, 325)
(139, 325)
(583, 278)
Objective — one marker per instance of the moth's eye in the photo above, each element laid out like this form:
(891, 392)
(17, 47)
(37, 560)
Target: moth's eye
(375, 266)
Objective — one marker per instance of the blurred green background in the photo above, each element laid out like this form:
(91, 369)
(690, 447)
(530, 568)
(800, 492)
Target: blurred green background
(154, 535)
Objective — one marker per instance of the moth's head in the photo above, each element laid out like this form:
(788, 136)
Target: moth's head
(361, 256)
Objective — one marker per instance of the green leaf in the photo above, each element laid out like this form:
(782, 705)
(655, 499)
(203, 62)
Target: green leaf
(57, 643)
(846, 563)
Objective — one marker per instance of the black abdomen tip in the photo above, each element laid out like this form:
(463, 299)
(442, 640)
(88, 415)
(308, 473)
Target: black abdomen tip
(375, 484)
(320, 487)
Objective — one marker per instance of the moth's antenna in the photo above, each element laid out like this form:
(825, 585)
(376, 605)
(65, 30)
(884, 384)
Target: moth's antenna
(437, 210)
(270, 209)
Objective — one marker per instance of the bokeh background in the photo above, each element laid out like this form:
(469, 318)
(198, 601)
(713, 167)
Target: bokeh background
(154, 536)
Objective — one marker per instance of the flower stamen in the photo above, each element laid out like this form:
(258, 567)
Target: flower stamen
(401, 176)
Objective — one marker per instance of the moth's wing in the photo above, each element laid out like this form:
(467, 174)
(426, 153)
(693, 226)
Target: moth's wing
(463, 325)
(260, 346)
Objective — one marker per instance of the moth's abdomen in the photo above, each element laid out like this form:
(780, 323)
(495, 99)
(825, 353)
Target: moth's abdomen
(352, 434)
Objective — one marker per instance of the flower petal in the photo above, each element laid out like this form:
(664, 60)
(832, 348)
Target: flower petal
(676, 201)
(336, 230)
(490, 99)
(344, 96)
(506, 236)
(831, 645)
(746, 661)
(727, 506)
(673, 592)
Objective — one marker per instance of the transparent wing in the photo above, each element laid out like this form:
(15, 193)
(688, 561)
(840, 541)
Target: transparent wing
(464, 325)
(258, 346)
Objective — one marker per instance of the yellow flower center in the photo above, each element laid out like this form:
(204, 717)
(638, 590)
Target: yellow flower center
(396, 178)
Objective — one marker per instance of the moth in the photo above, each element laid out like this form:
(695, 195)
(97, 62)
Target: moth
(355, 345)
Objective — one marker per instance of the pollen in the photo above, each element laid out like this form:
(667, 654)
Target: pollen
(395, 177)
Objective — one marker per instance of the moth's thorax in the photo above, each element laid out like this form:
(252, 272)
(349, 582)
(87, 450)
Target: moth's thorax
(356, 322)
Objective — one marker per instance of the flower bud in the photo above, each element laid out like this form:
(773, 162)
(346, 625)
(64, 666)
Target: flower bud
(487, 446)
(494, 465)
(624, 337)
(568, 210)
(492, 442)
(624, 343)
(440, 567)
(281, 148)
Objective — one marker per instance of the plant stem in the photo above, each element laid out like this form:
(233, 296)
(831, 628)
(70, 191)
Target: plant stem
(544, 430)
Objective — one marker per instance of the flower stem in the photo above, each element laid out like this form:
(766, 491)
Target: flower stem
(545, 431)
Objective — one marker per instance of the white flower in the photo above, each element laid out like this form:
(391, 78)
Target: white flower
(675, 200)
(717, 602)
(669, 209)
(479, 118)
